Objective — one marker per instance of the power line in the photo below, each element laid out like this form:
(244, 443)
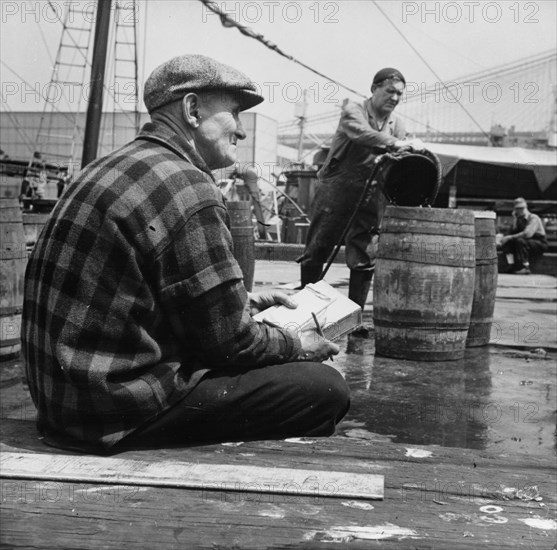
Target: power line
(228, 21)
(513, 66)
(430, 68)
(528, 64)
(332, 115)
(315, 119)
(19, 129)
(88, 64)
(31, 87)
(44, 40)
(524, 65)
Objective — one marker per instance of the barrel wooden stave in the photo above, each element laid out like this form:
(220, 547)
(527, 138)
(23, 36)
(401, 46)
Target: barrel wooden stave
(241, 228)
(485, 287)
(33, 224)
(423, 284)
(13, 260)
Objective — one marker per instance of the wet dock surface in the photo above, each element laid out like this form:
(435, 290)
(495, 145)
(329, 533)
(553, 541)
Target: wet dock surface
(492, 399)
(466, 448)
(500, 397)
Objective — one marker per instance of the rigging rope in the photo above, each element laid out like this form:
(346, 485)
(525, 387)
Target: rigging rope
(44, 39)
(19, 129)
(457, 100)
(88, 64)
(228, 21)
(65, 115)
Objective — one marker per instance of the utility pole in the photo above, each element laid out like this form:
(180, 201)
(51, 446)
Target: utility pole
(552, 133)
(302, 117)
(94, 109)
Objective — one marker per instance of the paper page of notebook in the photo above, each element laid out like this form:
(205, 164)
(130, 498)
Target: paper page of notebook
(310, 300)
(338, 311)
(343, 316)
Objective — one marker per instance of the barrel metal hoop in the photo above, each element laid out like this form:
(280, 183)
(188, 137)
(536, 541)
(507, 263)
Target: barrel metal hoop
(425, 325)
(10, 342)
(423, 260)
(11, 310)
(439, 232)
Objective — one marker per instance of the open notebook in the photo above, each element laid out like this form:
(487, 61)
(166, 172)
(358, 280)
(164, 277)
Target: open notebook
(337, 315)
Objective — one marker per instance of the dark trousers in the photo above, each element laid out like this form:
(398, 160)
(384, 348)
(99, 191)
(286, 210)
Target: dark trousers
(294, 399)
(333, 206)
(525, 250)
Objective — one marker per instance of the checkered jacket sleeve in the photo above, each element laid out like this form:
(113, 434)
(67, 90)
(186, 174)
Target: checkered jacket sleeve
(206, 301)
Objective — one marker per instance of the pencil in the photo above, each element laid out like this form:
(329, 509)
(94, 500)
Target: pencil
(319, 330)
(317, 325)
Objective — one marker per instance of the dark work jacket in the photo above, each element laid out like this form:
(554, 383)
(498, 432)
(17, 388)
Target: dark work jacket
(357, 142)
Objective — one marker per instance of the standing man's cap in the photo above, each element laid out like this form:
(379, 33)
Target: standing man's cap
(387, 73)
(172, 80)
(520, 203)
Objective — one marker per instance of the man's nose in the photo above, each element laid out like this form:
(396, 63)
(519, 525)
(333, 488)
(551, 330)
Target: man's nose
(240, 132)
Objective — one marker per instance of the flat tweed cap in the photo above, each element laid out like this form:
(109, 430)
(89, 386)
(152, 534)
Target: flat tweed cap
(172, 80)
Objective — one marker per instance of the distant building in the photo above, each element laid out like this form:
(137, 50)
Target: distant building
(19, 131)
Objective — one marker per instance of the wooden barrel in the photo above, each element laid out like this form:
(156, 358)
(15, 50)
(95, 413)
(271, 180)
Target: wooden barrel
(424, 283)
(410, 179)
(241, 227)
(32, 226)
(13, 258)
(485, 286)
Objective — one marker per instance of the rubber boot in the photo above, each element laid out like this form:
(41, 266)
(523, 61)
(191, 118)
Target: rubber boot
(358, 289)
(310, 273)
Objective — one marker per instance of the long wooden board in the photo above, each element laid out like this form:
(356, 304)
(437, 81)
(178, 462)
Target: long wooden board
(171, 473)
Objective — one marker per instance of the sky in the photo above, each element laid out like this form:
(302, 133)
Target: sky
(348, 40)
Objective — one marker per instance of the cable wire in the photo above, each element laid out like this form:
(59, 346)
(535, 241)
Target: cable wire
(430, 68)
(228, 21)
(27, 141)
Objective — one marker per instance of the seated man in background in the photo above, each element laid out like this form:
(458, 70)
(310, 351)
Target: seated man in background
(137, 327)
(526, 240)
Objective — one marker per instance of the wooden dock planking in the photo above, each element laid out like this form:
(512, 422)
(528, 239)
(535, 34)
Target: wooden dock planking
(453, 471)
(66, 515)
(430, 502)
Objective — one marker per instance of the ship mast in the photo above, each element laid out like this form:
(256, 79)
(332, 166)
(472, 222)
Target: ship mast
(94, 108)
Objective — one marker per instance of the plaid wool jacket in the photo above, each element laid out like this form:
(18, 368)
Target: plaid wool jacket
(132, 293)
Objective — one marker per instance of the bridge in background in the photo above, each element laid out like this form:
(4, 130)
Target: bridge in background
(509, 105)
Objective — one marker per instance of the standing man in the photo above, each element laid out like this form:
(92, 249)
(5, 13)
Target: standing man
(137, 328)
(365, 130)
(526, 241)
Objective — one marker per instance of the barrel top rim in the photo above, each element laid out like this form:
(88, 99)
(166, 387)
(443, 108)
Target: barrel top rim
(485, 214)
(238, 203)
(444, 214)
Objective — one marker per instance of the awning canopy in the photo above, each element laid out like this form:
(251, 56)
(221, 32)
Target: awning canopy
(543, 164)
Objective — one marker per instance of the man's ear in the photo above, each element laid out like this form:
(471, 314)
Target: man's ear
(373, 88)
(190, 109)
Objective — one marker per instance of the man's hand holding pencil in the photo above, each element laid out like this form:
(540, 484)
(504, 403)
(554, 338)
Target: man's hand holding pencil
(314, 346)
